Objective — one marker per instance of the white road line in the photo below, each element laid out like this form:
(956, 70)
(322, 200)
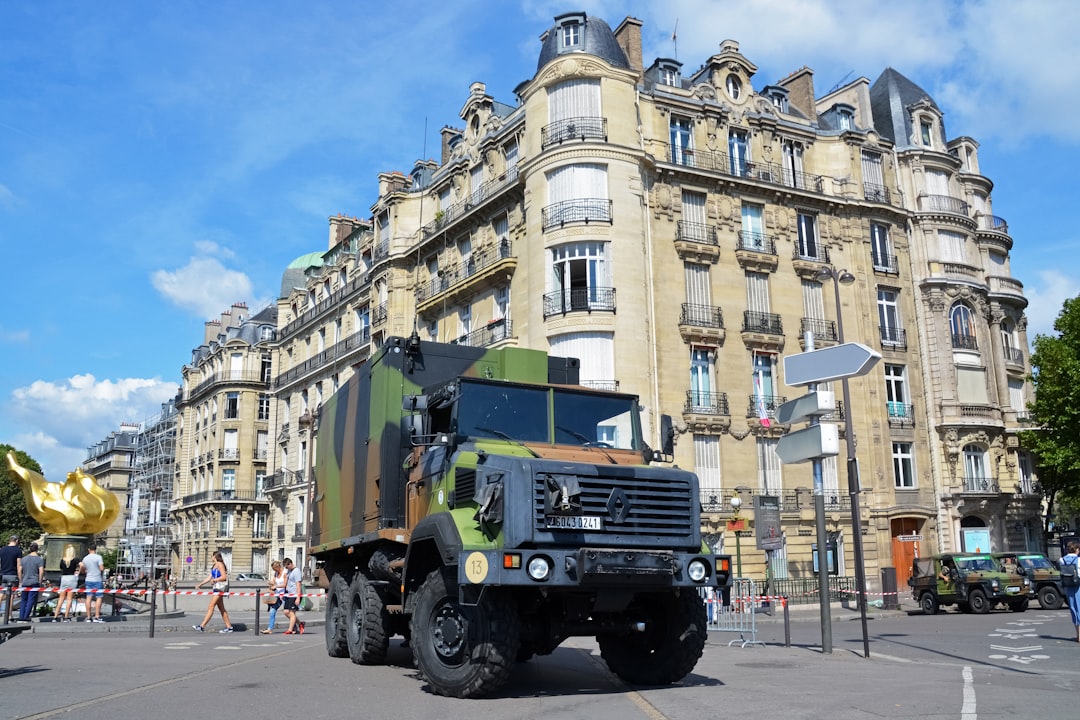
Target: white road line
(967, 712)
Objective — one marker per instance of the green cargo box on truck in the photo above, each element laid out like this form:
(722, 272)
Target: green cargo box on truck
(481, 504)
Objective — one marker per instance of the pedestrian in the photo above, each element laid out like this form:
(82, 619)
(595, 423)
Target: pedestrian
(33, 573)
(219, 579)
(69, 581)
(294, 588)
(1072, 593)
(94, 567)
(10, 562)
(278, 579)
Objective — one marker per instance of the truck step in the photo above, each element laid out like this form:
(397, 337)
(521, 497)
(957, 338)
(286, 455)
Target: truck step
(393, 609)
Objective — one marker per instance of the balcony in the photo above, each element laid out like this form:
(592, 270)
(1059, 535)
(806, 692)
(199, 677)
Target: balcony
(333, 300)
(1014, 356)
(723, 164)
(210, 496)
(876, 193)
(486, 267)
(298, 531)
(594, 299)
(696, 242)
(701, 324)
(1007, 288)
(581, 210)
(893, 338)
(766, 403)
(228, 378)
(495, 331)
(713, 500)
(259, 455)
(577, 128)
(706, 412)
(981, 485)
(964, 342)
(452, 213)
(336, 352)
(762, 331)
(900, 414)
(229, 454)
(756, 251)
(379, 314)
(280, 532)
(607, 385)
(993, 223)
(943, 204)
(885, 263)
(824, 331)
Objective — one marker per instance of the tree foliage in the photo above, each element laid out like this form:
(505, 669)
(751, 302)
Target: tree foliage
(14, 518)
(1055, 413)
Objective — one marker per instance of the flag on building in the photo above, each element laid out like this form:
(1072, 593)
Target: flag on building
(759, 396)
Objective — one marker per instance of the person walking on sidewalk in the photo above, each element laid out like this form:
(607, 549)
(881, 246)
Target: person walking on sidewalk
(294, 588)
(94, 567)
(69, 581)
(10, 569)
(1072, 594)
(219, 577)
(33, 573)
(279, 577)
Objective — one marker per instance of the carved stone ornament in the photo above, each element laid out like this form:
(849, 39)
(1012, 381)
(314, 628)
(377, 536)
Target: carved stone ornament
(740, 434)
(704, 91)
(726, 208)
(663, 197)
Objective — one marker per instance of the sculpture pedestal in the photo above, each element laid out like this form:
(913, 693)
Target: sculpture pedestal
(55, 548)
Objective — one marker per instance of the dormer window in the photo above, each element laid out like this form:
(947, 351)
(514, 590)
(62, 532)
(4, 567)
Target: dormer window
(668, 73)
(778, 96)
(571, 35)
(845, 119)
(925, 129)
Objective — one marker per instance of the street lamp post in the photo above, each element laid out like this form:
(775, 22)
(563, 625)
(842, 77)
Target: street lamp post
(736, 524)
(846, 278)
(155, 495)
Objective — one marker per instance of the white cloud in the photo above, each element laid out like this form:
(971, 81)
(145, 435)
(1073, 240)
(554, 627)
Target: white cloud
(204, 286)
(1045, 300)
(62, 419)
(207, 247)
(20, 337)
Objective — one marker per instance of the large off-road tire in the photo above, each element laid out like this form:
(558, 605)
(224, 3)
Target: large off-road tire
(928, 602)
(1018, 605)
(978, 602)
(676, 627)
(366, 622)
(1050, 598)
(463, 650)
(337, 600)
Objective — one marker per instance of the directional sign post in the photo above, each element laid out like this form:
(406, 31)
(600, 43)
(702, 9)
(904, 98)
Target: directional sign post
(810, 443)
(819, 402)
(831, 363)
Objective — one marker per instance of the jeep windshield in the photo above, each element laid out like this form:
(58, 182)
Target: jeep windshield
(524, 413)
(982, 563)
(1035, 562)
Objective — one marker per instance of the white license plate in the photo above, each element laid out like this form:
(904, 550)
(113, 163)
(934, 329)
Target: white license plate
(573, 522)
(1013, 589)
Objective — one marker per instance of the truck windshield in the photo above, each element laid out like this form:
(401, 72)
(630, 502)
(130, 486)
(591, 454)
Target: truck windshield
(520, 413)
(1036, 562)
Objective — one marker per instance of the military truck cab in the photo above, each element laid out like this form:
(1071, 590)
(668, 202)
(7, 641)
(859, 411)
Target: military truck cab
(974, 582)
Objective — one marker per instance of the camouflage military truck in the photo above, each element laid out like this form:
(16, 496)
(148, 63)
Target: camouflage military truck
(1044, 576)
(486, 508)
(974, 582)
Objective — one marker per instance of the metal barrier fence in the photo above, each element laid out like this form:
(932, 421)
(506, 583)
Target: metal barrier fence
(739, 616)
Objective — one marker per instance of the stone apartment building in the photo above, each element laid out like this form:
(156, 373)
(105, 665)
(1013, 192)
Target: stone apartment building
(112, 463)
(680, 233)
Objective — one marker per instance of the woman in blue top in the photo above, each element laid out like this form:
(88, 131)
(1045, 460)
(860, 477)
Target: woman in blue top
(1072, 594)
(219, 576)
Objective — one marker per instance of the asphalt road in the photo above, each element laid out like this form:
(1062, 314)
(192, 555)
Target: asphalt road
(946, 666)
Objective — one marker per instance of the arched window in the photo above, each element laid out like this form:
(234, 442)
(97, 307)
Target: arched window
(962, 325)
(977, 469)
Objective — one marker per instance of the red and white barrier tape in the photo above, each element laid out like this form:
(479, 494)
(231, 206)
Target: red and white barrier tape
(108, 591)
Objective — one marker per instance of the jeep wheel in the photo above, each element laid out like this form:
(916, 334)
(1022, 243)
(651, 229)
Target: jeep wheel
(675, 628)
(1049, 598)
(366, 623)
(336, 601)
(929, 604)
(1018, 605)
(463, 650)
(978, 602)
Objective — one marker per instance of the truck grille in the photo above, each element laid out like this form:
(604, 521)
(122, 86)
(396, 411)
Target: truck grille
(630, 506)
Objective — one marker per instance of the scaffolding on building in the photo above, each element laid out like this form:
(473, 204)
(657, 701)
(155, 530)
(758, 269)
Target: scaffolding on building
(144, 550)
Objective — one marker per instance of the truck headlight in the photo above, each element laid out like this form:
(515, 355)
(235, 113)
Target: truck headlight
(697, 570)
(539, 568)
(995, 584)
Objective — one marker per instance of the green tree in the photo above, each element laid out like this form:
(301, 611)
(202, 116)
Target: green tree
(14, 518)
(1055, 413)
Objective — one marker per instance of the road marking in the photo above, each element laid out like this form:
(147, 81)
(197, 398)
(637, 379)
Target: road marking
(1022, 659)
(967, 712)
(1029, 648)
(650, 710)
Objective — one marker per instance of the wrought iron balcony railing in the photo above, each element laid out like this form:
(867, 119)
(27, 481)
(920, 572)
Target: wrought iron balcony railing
(814, 252)
(900, 413)
(962, 341)
(576, 128)
(822, 329)
(756, 242)
(893, 337)
(701, 316)
(706, 403)
(762, 322)
(876, 193)
(767, 402)
(885, 263)
(580, 210)
(490, 334)
(594, 299)
(981, 485)
(696, 232)
(943, 203)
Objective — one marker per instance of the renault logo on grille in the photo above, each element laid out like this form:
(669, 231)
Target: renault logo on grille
(618, 506)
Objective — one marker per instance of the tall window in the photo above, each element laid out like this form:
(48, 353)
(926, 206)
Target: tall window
(753, 228)
(693, 225)
(464, 320)
(264, 406)
(225, 523)
(262, 444)
(573, 191)
(808, 242)
(236, 366)
(577, 98)
(952, 246)
(903, 466)
(1016, 396)
(880, 249)
(1027, 472)
(596, 350)
(976, 469)
(362, 320)
(896, 390)
(769, 474)
(757, 292)
(258, 524)
(925, 129)
(232, 405)
(962, 325)
(580, 272)
(266, 367)
(701, 378)
(762, 377)
(793, 164)
(873, 177)
(682, 149)
(502, 303)
(231, 450)
(707, 461)
(228, 481)
(889, 316)
(739, 150)
(570, 35)
(698, 294)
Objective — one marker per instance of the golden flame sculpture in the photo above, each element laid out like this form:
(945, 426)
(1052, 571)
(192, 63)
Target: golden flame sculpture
(76, 506)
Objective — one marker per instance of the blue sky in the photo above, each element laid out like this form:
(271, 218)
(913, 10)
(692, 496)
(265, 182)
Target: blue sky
(160, 161)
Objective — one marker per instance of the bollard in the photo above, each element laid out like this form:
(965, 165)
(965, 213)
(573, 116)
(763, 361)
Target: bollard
(153, 607)
(258, 607)
(787, 621)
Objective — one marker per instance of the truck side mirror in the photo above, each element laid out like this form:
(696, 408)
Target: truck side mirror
(667, 436)
(414, 403)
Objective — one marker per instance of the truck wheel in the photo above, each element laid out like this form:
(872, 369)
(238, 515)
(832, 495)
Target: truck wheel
(1049, 597)
(670, 645)
(366, 623)
(978, 602)
(1018, 605)
(462, 650)
(336, 602)
(929, 604)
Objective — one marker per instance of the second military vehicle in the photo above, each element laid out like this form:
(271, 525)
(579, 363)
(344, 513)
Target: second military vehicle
(974, 582)
(1044, 576)
(485, 507)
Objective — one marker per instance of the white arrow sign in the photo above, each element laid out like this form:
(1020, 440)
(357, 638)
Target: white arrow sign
(831, 363)
(819, 402)
(809, 443)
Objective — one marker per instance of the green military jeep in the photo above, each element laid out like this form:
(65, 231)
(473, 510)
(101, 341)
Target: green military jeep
(974, 582)
(1044, 576)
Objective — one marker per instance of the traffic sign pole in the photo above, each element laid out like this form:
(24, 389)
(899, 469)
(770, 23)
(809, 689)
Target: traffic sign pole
(825, 608)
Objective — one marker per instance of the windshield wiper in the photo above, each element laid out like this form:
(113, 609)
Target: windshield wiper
(586, 442)
(504, 436)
